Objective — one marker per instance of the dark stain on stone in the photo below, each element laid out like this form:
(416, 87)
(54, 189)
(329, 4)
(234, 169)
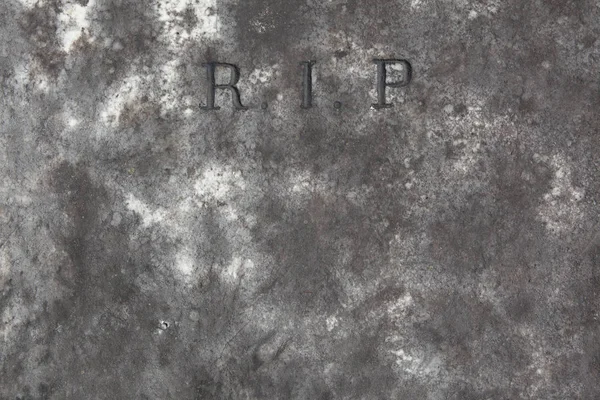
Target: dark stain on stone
(520, 307)
(268, 25)
(304, 254)
(216, 239)
(190, 19)
(39, 24)
(378, 301)
(98, 285)
(101, 322)
(363, 371)
(460, 109)
(457, 321)
(81, 201)
(498, 224)
(340, 53)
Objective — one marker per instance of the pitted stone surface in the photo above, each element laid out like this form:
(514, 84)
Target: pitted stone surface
(447, 248)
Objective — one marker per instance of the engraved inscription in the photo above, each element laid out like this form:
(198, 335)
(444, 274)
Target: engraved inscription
(397, 65)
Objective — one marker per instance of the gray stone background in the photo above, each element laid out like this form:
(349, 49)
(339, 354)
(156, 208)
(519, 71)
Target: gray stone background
(446, 248)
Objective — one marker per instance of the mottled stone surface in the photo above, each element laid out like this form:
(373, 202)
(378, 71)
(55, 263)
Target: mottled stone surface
(444, 249)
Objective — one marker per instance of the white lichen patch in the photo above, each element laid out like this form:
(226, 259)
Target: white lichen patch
(127, 92)
(69, 119)
(331, 323)
(218, 184)
(4, 267)
(72, 21)
(31, 3)
(218, 188)
(263, 75)
(171, 86)
(173, 14)
(465, 136)
(11, 318)
(357, 66)
(486, 9)
(415, 4)
(24, 77)
(399, 308)
(561, 211)
(237, 269)
(185, 263)
(146, 214)
(418, 363)
(303, 182)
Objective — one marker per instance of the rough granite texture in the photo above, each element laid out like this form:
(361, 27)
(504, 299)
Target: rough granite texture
(447, 248)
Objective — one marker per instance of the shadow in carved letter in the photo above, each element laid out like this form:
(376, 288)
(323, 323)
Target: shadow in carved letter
(382, 82)
(211, 69)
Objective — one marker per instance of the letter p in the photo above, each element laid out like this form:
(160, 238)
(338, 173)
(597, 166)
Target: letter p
(382, 82)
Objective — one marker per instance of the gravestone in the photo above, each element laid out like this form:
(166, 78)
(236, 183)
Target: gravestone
(299, 199)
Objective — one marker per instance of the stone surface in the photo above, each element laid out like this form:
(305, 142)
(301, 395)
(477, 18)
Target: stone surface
(444, 249)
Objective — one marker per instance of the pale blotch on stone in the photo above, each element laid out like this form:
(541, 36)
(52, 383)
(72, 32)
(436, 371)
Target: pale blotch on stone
(184, 263)
(561, 211)
(332, 322)
(146, 214)
(237, 268)
(72, 21)
(217, 183)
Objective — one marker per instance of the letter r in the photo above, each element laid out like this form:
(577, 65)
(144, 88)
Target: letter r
(211, 68)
